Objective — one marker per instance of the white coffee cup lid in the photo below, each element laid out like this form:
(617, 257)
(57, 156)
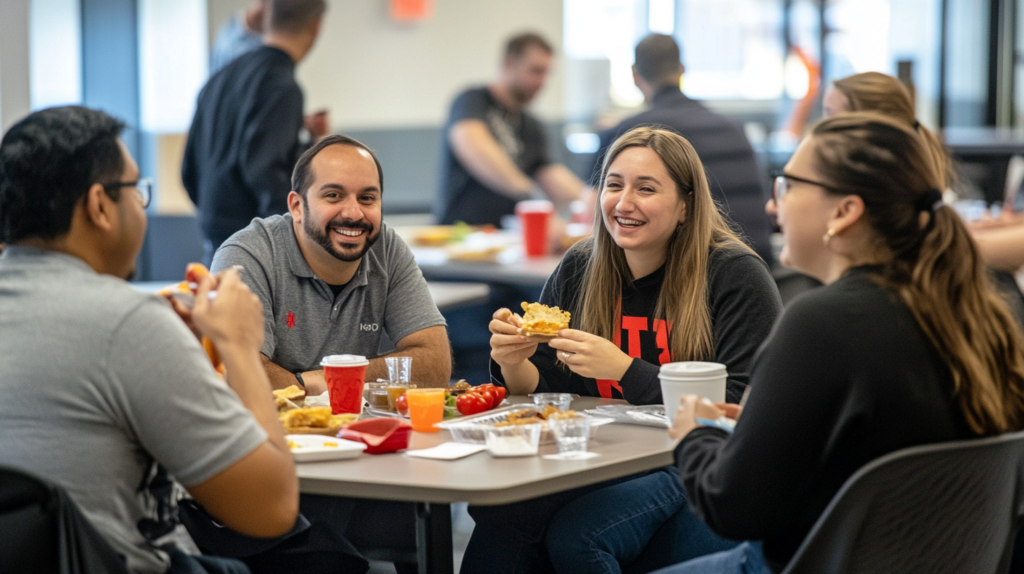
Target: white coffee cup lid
(535, 206)
(344, 361)
(693, 369)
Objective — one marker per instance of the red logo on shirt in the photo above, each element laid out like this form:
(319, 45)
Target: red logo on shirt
(633, 326)
(291, 319)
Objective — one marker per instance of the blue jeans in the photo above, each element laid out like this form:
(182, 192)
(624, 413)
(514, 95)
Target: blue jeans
(746, 558)
(639, 525)
(629, 519)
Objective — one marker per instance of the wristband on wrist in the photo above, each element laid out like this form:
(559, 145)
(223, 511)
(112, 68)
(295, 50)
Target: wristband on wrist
(298, 377)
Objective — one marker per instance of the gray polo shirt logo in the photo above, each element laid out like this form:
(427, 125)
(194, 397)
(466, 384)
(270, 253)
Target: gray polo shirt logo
(387, 295)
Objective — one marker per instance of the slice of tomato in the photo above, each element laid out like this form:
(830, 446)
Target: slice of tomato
(491, 394)
(502, 391)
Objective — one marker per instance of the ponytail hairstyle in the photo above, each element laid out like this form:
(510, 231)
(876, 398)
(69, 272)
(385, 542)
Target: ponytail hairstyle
(683, 299)
(875, 92)
(935, 268)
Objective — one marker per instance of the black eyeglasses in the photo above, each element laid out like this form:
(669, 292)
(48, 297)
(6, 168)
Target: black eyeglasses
(143, 187)
(780, 185)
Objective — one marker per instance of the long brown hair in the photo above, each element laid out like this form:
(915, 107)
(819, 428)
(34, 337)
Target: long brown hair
(876, 92)
(683, 297)
(935, 268)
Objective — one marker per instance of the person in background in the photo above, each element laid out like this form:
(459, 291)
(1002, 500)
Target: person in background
(494, 151)
(733, 173)
(100, 381)
(333, 278)
(907, 344)
(244, 138)
(663, 279)
(1001, 245)
(242, 33)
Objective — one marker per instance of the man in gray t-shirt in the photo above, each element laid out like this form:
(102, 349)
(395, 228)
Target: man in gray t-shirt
(106, 392)
(333, 278)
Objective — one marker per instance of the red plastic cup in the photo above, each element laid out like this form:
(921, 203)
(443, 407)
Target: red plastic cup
(534, 217)
(345, 375)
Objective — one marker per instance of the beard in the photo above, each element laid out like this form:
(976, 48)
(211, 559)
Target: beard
(322, 237)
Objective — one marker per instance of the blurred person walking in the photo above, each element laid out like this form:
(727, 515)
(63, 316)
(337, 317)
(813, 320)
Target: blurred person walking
(733, 173)
(245, 136)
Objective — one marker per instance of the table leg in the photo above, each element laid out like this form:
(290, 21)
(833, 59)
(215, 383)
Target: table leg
(434, 538)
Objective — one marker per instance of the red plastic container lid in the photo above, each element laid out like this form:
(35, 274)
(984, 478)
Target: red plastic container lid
(380, 435)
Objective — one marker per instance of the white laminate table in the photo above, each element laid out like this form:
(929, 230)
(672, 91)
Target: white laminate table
(446, 296)
(480, 479)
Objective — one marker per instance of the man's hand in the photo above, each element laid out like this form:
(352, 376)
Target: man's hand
(185, 314)
(234, 318)
(590, 356)
(692, 408)
(508, 348)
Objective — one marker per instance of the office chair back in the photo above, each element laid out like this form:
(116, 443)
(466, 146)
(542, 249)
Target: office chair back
(951, 507)
(44, 532)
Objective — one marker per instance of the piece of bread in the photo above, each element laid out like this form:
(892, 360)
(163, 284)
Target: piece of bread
(542, 321)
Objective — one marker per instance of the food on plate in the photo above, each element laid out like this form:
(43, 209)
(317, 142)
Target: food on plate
(462, 385)
(436, 236)
(475, 254)
(478, 399)
(531, 416)
(543, 320)
(293, 393)
(314, 420)
(328, 444)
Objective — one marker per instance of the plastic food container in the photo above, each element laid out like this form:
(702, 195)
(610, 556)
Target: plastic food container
(514, 440)
(473, 429)
(380, 435)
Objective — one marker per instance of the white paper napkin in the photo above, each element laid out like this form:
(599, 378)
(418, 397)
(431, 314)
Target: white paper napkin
(448, 451)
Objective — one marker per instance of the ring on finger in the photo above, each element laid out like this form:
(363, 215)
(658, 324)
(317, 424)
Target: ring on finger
(565, 355)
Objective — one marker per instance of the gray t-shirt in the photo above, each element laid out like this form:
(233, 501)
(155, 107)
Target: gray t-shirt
(109, 395)
(303, 320)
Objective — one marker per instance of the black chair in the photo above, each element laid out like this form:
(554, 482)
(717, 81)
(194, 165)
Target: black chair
(44, 532)
(943, 508)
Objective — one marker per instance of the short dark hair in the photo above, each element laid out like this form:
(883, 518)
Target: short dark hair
(293, 16)
(302, 176)
(48, 162)
(518, 45)
(657, 58)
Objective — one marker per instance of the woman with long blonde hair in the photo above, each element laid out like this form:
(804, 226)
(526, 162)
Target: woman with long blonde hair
(662, 279)
(907, 344)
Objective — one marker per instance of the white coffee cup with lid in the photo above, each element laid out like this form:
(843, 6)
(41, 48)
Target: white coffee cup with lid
(701, 378)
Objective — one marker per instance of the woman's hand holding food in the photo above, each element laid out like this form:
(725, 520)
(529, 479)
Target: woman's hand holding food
(508, 348)
(234, 319)
(692, 408)
(589, 355)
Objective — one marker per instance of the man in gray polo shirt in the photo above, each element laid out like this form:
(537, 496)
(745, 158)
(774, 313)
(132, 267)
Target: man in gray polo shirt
(333, 278)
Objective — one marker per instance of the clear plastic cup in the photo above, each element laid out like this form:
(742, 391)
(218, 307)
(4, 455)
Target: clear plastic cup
(571, 434)
(513, 440)
(561, 401)
(399, 369)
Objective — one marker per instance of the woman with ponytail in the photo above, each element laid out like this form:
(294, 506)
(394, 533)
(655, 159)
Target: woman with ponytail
(907, 344)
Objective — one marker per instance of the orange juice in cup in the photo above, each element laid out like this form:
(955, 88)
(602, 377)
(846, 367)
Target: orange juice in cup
(426, 408)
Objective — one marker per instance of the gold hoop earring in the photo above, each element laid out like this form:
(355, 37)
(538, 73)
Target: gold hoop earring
(827, 237)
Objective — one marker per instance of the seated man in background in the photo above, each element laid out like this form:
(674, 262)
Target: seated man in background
(100, 381)
(333, 278)
(737, 182)
(495, 152)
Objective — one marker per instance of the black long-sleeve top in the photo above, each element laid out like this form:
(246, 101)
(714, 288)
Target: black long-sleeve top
(244, 142)
(846, 376)
(743, 300)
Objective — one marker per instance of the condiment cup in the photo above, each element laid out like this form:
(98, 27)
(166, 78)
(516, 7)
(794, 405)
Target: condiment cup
(513, 440)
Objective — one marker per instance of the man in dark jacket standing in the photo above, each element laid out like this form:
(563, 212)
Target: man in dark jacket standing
(734, 176)
(244, 138)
